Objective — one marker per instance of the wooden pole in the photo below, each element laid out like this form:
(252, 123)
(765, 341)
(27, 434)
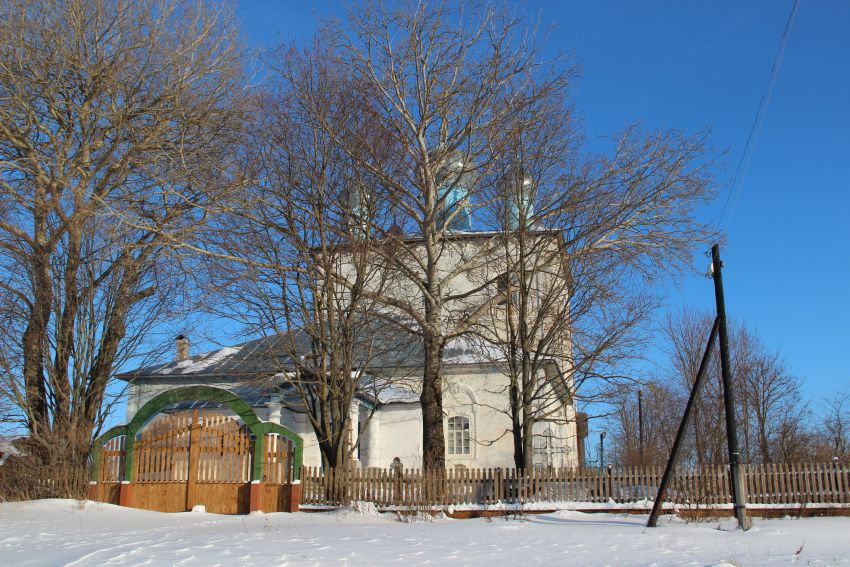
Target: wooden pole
(683, 426)
(640, 426)
(194, 449)
(738, 496)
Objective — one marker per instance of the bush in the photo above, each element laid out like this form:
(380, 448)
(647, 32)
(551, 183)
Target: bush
(58, 470)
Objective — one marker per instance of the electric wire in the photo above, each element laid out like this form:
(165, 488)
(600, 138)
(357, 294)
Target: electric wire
(743, 163)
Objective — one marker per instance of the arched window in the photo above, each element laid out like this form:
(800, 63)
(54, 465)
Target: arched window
(458, 442)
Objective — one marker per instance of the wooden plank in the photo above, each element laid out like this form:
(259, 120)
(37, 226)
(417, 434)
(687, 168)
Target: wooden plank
(765, 482)
(839, 489)
(815, 483)
(276, 497)
(160, 496)
(826, 480)
(789, 495)
(224, 497)
(773, 483)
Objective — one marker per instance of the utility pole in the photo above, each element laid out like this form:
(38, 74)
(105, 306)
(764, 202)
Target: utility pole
(738, 496)
(640, 426)
(602, 450)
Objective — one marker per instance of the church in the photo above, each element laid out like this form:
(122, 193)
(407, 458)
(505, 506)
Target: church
(385, 414)
(477, 424)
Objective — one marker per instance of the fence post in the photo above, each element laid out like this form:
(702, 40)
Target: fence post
(194, 447)
(294, 495)
(255, 495)
(125, 494)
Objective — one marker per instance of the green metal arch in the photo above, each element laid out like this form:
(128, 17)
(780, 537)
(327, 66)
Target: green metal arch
(161, 401)
(187, 393)
(297, 443)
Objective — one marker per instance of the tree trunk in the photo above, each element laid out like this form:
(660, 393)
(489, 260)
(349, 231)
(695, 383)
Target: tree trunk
(516, 423)
(433, 438)
(528, 444)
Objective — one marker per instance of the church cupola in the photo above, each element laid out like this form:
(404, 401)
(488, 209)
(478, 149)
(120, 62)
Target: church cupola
(359, 202)
(517, 190)
(453, 181)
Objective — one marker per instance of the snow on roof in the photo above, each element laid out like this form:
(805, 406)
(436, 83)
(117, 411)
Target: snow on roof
(266, 355)
(199, 363)
(469, 350)
(397, 394)
(7, 449)
(386, 348)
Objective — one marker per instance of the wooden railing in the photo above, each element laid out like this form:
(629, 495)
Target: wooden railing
(788, 483)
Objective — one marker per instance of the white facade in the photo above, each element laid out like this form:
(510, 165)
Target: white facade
(474, 392)
(477, 422)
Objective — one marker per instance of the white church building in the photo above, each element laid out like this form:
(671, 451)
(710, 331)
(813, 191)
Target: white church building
(477, 422)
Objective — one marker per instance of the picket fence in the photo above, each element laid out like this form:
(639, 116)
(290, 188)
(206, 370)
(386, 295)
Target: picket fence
(772, 483)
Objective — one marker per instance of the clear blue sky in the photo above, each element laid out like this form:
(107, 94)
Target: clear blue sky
(699, 64)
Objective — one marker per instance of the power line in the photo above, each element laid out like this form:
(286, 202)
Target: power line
(744, 162)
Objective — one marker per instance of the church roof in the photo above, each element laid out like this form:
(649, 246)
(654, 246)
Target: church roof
(273, 354)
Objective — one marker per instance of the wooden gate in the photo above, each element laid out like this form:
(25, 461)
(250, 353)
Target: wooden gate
(172, 462)
(277, 473)
(111, 471)
(187, 459)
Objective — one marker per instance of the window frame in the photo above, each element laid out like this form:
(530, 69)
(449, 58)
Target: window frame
(459, 431)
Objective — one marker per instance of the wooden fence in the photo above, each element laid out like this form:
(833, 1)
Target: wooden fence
(193, 457)
(111, 471)
(189, 458)
(789, 483)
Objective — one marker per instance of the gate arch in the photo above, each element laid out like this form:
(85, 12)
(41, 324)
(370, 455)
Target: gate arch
(257, 428)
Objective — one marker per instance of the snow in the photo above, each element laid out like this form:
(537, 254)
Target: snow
(67, 532)
(468, 350)
(397, 393)
(199, 362)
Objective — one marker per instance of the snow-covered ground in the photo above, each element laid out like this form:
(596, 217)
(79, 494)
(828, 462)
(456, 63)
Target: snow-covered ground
(65, 532)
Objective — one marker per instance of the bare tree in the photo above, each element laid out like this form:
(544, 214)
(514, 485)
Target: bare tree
(118, 121)
(449, 85)
(661, 406)
(292, 256)
(530, 327)
(774, 419)
(686, 335)
(834, 429)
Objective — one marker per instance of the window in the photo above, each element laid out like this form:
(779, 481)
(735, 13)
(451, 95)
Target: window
(458, 435)
(509, 281)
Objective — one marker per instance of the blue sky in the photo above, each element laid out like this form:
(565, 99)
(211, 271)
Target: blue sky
(706, 64)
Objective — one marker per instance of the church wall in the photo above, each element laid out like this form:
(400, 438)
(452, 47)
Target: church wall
(479, 395)
(400, 435)
(472, 391)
